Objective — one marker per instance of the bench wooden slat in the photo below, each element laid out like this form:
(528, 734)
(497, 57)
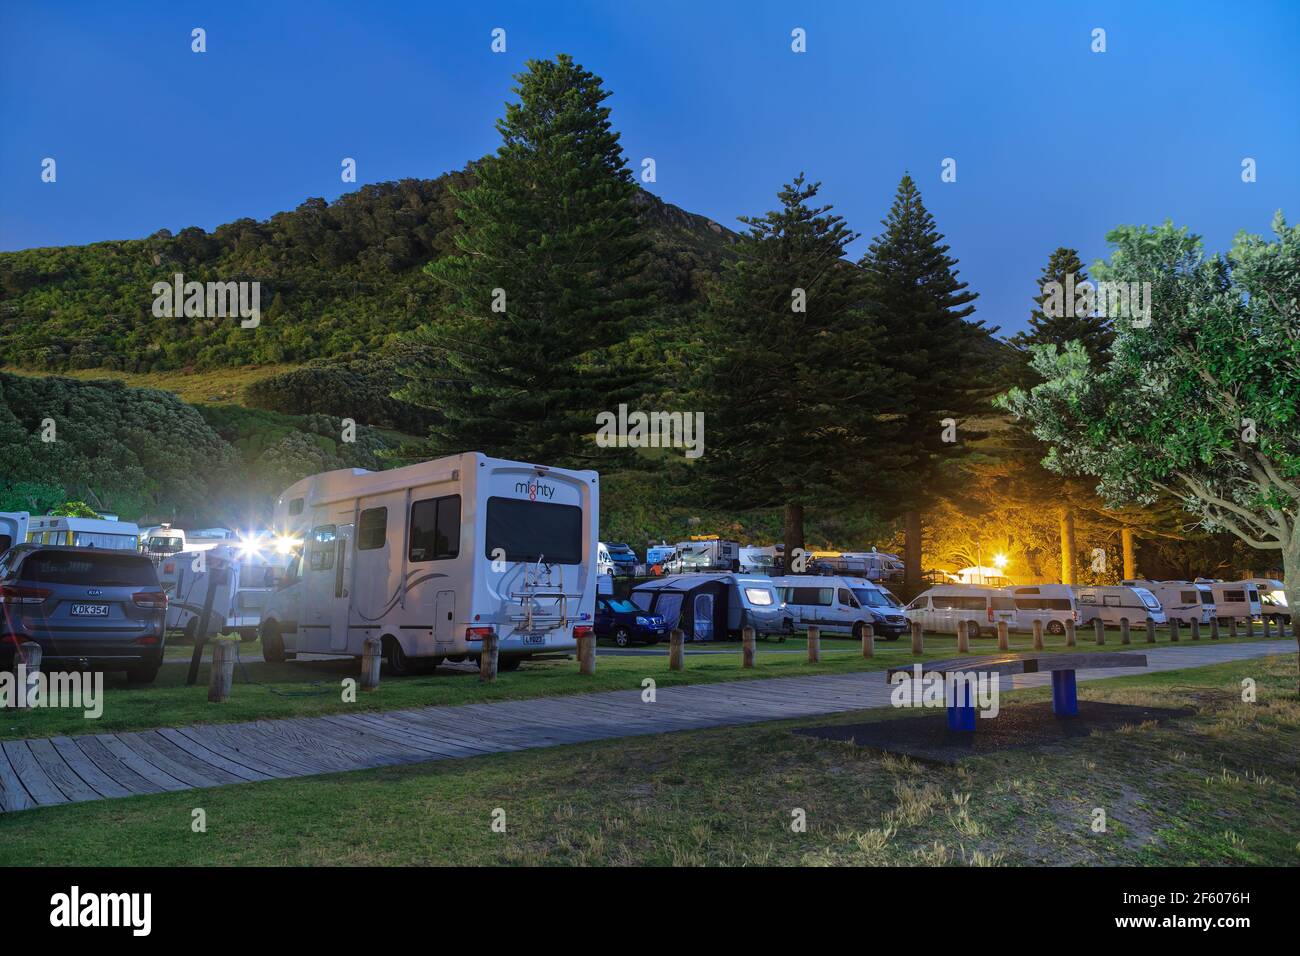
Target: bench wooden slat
(1026, 663)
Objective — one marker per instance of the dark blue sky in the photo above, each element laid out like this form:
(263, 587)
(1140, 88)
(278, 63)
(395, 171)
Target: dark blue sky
(1054, 144)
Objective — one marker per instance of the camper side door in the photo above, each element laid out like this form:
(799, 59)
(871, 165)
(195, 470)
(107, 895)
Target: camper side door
(316, 607)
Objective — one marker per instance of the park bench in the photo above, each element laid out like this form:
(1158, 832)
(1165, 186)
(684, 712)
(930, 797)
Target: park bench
(1065, 696)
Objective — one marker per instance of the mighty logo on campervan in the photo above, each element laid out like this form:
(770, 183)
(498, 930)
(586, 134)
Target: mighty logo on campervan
(210, 300)
(651, 430)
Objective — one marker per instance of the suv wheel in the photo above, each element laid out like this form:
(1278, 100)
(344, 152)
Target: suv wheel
(622, 638)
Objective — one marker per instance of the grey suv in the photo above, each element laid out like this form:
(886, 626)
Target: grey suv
(90, 608)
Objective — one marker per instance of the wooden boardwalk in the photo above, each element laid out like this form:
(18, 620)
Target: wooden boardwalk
(48, 771)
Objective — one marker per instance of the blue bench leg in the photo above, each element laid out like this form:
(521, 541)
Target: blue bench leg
(961, 707)
(1065, 694)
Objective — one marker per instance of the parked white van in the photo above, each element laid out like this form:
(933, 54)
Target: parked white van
(13, 528)
(431, 557)
(1272, 598)
(245, 580)
(1239, 599)
(1183, 601)
(84, 532)
(1053, 604)
(838, 605)
(945, 607)
(1114, 603)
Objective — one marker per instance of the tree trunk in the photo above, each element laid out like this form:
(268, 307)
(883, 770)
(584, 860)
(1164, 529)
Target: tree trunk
(1291, 584)
(912, 553)
(1130, 554)
(1068, 566)
(793, 534)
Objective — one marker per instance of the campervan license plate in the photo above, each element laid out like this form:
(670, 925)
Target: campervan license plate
(534, 638)
(90, 610)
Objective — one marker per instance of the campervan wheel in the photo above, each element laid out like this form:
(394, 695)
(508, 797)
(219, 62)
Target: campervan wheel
(1055, 627)
(272, 643)
(399, 664)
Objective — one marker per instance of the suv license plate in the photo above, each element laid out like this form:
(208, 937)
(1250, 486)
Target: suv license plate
(90, 610)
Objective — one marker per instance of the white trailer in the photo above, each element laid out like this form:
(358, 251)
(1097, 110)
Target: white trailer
(244, 579)
(432, 557)
(1239, 599)
(13, 528)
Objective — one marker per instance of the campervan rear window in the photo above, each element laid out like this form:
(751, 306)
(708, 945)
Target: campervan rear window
(105, 569)
(533, 530)
(435, 529)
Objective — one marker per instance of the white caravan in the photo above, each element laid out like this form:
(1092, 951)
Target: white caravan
(944, 607)
(244, 578)
(13, 528)
(432, 557)
(1239, 599)
(1183, 601)
(757, 560)
(1115, 603)
(1053, 604)
(703, 553)
(1272, 598)
(84, 532)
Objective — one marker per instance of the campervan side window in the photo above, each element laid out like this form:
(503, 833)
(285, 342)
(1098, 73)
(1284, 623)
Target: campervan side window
(372, 529)
(533, 530)
(435, 529)
(1234, 597)
(1187, 597)
(322, 547)
(295, 507)
(811, 597)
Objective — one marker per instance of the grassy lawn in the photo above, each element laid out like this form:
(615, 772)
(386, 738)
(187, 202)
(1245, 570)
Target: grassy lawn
(304, 688)
(1217, 788)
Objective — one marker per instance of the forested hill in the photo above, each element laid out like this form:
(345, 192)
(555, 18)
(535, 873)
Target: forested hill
(336, 278)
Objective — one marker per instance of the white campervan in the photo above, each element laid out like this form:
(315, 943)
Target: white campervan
(431, 557)
(945, 607)
(1239, 599)
(1272, 598)
(84, 532)
(757, 560)
(244, 579)
(13, 528)
(824, 600)
(1053, 604)
(1183, 601)
(1115, 603)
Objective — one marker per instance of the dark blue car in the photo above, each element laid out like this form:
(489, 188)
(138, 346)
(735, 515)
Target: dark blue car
(628, 624)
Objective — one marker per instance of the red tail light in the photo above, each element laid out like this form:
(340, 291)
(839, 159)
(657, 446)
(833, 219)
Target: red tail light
(145, 640)
(150, 599)
(16, 595)
(581, 630)
(478, 633)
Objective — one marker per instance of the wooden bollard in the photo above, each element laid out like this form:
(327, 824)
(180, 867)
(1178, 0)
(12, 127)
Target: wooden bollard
(1151, 631)
(814, 644)
(372, 655)
(1196, 628)
(1281, 626)
(1267, 629)
(222, 674)
(1173, 631)
(587, 653)
(1250, 626)
(1070, 638)
(1099, 628)
(747, 647)
(490, 657)
(676, 649)
(1004, 639)
(963, 637)
(918, 639)
(29, 658)
(1038, 635)
(1214, 628)
(1232, 627)
(1124, 636)
(868, 641)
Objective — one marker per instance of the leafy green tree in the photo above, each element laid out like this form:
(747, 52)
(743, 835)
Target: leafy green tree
(1198, 400)
(938, 361)
(75, 509)
(548, 282)
(37, 497)
(792, 375)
